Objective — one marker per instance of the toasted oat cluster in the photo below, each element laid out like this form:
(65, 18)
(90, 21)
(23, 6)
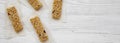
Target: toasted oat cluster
(14, 18)
(36, 4)
(57, 7)
(39, 29)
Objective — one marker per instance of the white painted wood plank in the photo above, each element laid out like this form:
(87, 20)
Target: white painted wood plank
(83, 21)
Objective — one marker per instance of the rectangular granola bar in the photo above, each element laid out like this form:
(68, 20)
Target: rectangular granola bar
(39, 29)
(36, 4)
(14, 18)
(57, 8)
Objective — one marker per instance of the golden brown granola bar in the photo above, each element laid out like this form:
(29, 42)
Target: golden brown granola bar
(39, 29)
(57, 8)
(36, 4)
(14, 18)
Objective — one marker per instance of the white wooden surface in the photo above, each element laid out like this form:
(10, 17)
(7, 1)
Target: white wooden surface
(82, 21)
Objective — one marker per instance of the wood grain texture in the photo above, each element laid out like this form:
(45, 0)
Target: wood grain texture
(82, 21)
